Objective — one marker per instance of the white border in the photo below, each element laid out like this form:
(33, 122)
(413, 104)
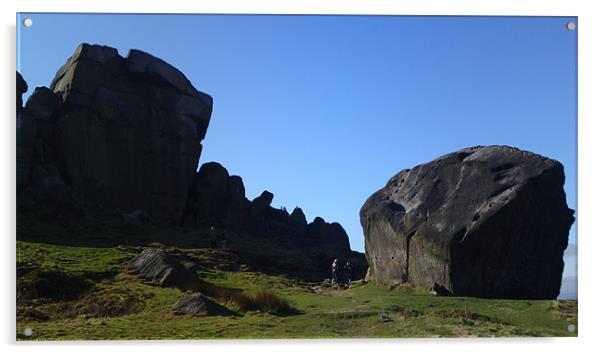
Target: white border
(589, 161)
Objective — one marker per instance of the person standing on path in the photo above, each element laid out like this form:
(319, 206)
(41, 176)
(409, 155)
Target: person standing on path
(333, 269)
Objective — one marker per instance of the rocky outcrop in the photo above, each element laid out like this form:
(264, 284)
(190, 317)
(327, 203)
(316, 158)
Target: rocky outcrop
(216, 199)
(159, 267)
(328, 233)
(297, 218)
(260, 204)
(484, 221)
(123, 132)
(299, 222)
(118, 138)
(198, 304)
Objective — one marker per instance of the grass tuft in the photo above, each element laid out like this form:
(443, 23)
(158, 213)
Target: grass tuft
(264, 301)
(51, 285)
(246, 301)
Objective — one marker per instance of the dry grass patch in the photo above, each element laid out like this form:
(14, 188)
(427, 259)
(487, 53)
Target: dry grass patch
(114, 302)
(246, 301)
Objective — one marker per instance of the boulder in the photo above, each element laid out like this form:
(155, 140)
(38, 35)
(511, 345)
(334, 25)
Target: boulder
(159, 267)
(486, 221)
(126, 131)
(198, 304)
(328, 234)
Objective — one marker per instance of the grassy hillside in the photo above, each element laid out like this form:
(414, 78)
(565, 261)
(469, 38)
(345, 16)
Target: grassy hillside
(104, 301)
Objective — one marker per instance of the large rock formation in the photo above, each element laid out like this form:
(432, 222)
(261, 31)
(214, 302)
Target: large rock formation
(218, 199)
(484, 221)
(119, 137)
(122, 133)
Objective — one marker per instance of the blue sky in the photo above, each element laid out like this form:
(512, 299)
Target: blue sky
(322, 110)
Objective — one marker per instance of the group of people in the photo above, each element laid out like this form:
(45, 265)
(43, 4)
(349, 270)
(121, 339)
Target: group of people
(344, 274)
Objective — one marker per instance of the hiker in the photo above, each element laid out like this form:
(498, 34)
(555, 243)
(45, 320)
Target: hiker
(333, 269)
(349, 271)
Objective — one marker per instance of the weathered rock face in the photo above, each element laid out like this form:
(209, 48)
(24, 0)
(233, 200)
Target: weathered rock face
(124, 132)
(484, 221)
(216, 199)
(158, 266)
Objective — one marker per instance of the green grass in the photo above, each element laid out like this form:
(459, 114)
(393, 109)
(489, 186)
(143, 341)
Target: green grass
(118, 238)
(321, 312)
(74, 259)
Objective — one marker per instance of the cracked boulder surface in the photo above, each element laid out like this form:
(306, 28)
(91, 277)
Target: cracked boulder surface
(485, 221)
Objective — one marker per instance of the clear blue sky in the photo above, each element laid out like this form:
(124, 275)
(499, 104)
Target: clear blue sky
(322, 110)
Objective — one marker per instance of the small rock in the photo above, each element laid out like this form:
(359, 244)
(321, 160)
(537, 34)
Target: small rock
(385, 318)
(198, 304)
